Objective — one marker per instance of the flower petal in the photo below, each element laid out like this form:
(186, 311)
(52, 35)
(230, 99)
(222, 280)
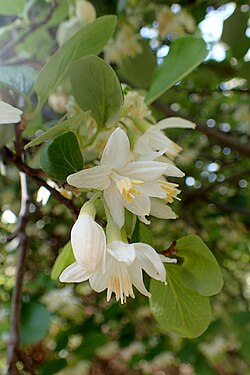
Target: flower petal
(172, 170)
(116, 153)
(121, 251)
(88, 242)
(152, 189)
(140, 205)
(9, 114)
(95, 178)
(114, 202)
(144, 170)
(174, 122)
(161, 210)
(150, 261)
(136, 277)
(74, 274)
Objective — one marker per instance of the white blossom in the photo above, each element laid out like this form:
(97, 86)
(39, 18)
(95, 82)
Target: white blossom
(9, 114)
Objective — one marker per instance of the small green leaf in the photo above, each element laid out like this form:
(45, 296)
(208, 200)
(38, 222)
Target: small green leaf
(11, 7)
(35, 320)
(71, 123)
(90, 40)
(178, 309)
(7, 134)
(62, 157)
(97, 88)
(64, 259)
(200, 270)
(185, 55)
(18, 78)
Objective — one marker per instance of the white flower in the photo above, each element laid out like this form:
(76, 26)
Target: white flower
(155, 140)
(123, 269)
(9, 114)
(135, 106)
(88, 241)
(124, 183)
(124, 46)
(67, 29)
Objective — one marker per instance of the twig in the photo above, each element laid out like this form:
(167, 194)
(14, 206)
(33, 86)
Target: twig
(215, 135)
(227, 208)
(7, 50)
(13, 347)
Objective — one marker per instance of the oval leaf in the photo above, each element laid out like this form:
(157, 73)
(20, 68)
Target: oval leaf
(178, 309)
(200, 270)
(97, 88)
(65, 258)
(91, 39)
(185, 55)
(35, 320)
(62, 157)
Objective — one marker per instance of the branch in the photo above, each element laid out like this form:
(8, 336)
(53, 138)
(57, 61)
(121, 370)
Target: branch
(7, 50)
(213, 134)
(14, 341)
(227, 208)
(37, 175)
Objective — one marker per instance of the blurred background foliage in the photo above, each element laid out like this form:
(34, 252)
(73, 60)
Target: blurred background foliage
(73, 330)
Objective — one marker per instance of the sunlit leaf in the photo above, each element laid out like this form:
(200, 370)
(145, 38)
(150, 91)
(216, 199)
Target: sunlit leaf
(90, 40)
(178, 309)
(185, 55)
(96, 87)
(200, 270)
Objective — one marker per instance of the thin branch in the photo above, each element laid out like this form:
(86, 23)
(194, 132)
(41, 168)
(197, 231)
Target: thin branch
(213, 134)
(14, 341)
(37, 175)
(226, 208)
(7, 51)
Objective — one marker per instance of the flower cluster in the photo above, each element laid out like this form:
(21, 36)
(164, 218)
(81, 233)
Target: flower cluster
(129, 176)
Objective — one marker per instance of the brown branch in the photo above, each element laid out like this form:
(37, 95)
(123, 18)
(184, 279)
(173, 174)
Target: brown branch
(225, 207)
(213, 134)
(7, 51)
(14, 341)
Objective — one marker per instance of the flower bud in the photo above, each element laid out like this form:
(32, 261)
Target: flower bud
(88, 240)
(85, 11)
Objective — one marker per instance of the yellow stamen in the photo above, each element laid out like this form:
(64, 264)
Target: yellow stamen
(127, 188)
(171, 191)
(120, 284)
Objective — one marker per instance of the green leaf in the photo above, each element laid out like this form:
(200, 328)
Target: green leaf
(10, 7)
(178, 309)
(7, 134)
(200, 270)
(71, 123)
(18, 78)
(35, 320)
(90, 40)
(139, 69)
(62, 157)
(64, 259)
(185, 55)
(96, 87)
(238, 41)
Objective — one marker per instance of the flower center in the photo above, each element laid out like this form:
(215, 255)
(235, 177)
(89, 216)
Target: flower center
(126, 186)
(170, 189)
(120, 283)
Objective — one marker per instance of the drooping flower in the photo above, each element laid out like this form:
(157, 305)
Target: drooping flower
(9, 114)
(88, 241)
(124, 183)
(155, 140)
(124, 264)
(85, 11)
